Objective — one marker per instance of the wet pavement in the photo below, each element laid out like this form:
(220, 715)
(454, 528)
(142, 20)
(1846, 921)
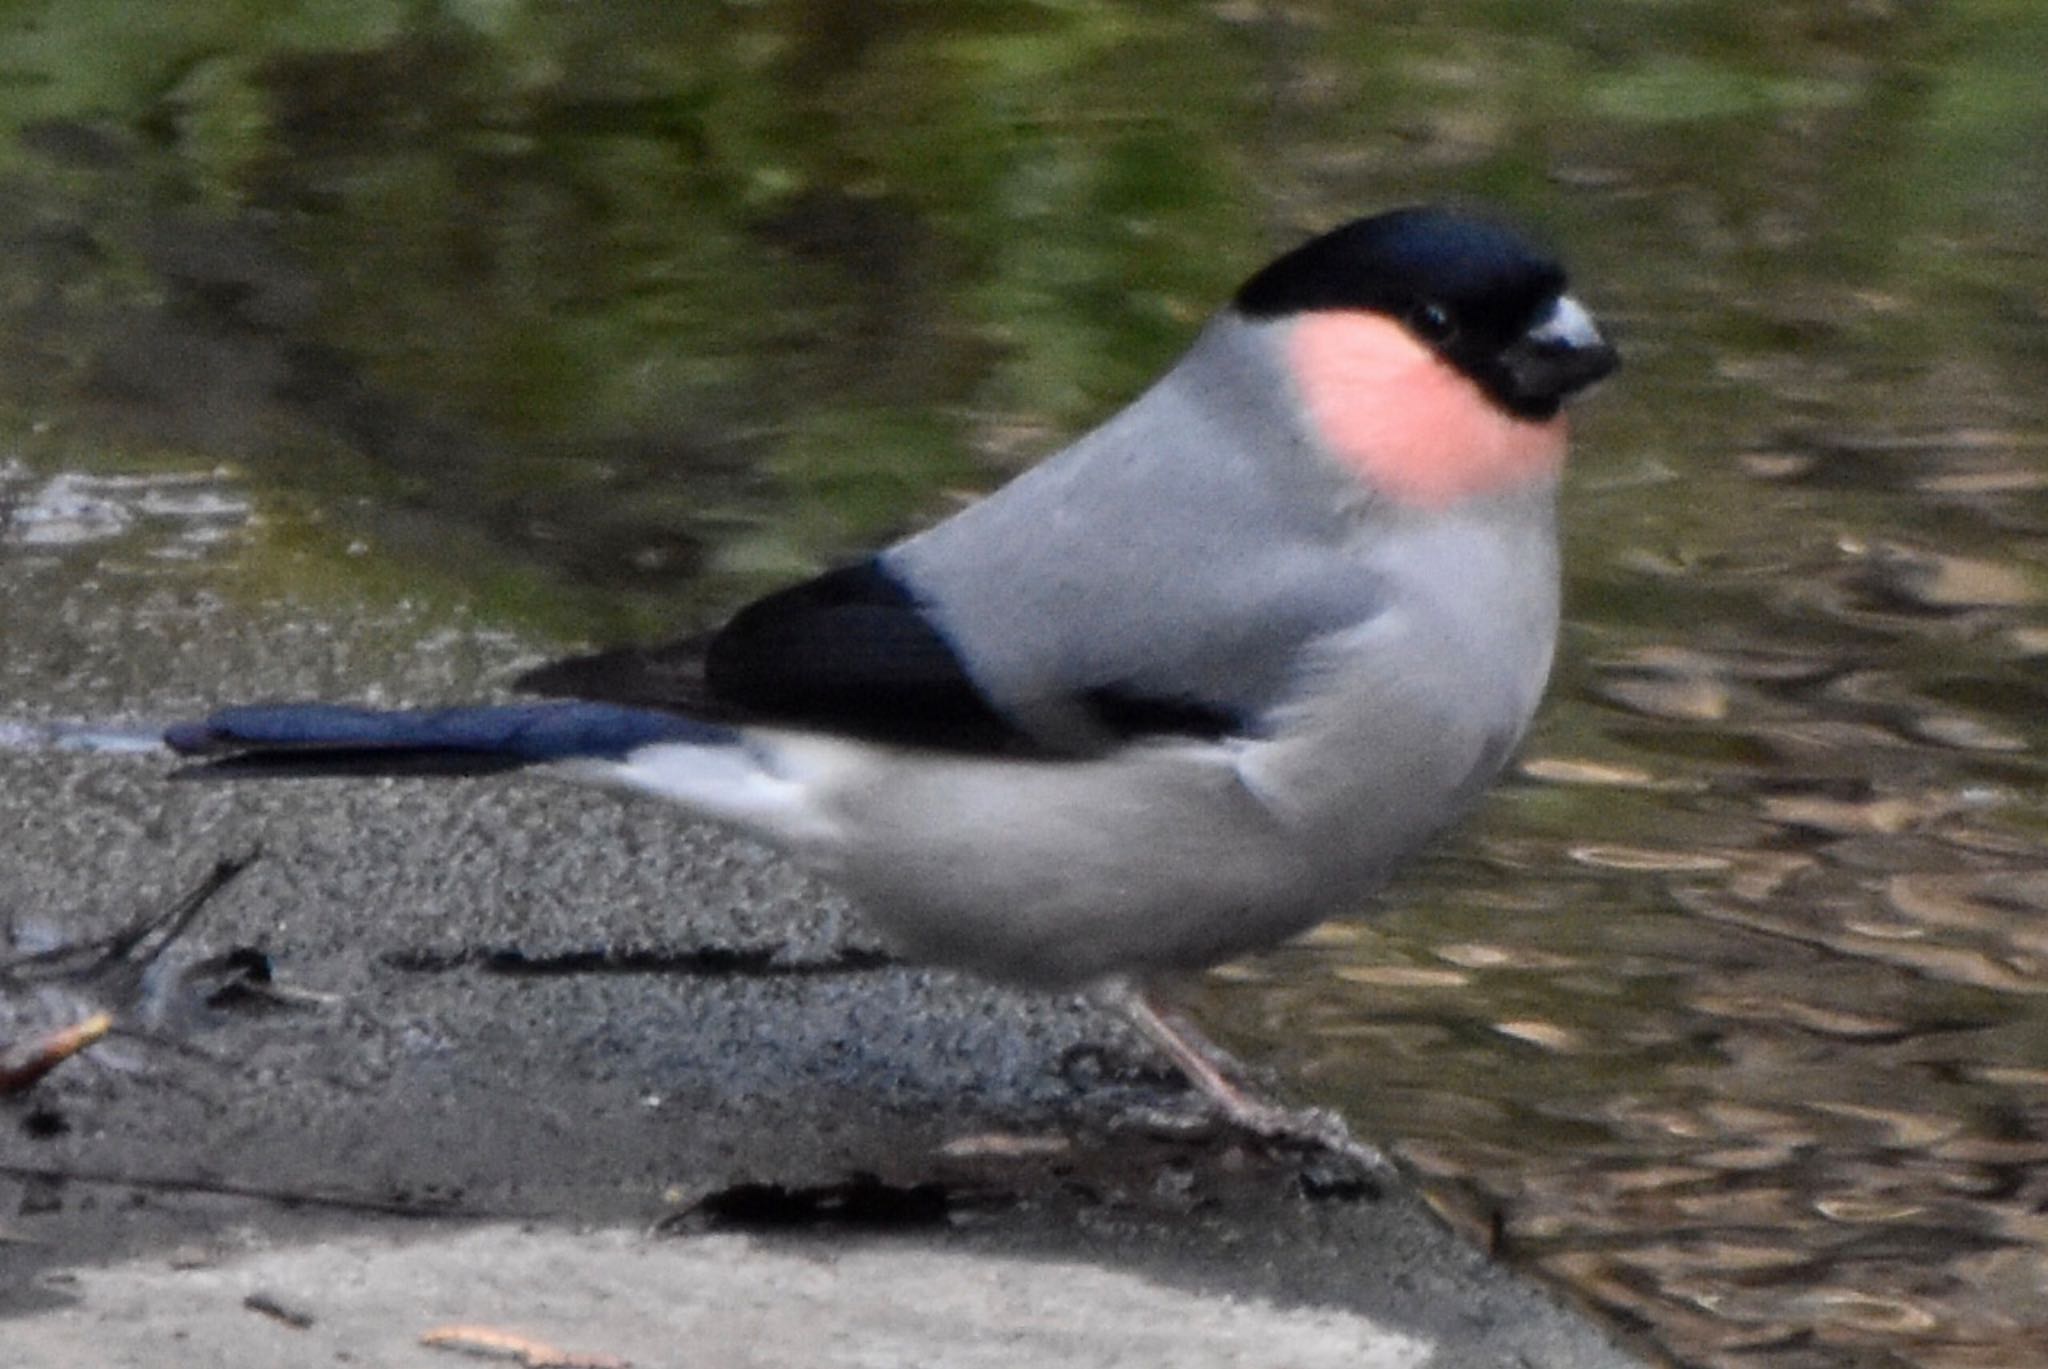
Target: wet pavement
(528, 1059)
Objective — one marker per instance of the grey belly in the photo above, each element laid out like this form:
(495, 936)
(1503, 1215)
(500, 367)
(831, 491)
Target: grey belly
(1060, 874)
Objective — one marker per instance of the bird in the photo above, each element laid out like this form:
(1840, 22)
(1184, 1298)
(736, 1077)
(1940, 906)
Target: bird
(1202, 679)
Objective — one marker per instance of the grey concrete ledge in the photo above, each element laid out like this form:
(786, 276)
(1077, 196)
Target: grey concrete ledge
(540, 1021)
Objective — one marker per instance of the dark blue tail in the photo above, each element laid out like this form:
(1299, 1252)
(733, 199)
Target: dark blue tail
(335, 739)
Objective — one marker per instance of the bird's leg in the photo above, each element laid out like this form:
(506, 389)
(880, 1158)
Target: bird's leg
(1199, 1059)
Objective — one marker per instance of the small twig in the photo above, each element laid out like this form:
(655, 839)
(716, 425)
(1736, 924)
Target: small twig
(187, 909)
(491, 1343)
(20, 1069)
(277, 1309)
(171, 922)
(227, 1188)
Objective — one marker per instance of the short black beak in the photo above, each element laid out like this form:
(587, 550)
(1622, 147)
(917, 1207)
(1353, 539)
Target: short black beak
(1560, 355)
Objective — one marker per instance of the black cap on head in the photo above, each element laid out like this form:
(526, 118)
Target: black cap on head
(1468, 287)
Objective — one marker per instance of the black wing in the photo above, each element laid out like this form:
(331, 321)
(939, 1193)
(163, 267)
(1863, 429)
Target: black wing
(850, 652)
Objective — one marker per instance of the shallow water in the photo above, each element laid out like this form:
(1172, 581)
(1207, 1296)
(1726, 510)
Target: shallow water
(1731, 1012)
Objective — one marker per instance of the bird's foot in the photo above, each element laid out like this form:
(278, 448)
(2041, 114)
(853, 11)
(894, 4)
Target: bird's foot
(1205, 1066)
(1318, 1131)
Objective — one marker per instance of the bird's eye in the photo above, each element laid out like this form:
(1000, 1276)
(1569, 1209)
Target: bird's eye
(1432, 322)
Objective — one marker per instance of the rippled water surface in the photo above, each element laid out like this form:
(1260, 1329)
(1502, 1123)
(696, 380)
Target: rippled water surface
(1731, 1011)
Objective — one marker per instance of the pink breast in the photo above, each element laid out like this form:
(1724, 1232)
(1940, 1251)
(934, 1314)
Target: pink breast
(1407, 422)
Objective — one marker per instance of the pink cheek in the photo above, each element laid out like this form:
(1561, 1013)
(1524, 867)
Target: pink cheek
(1407, 423)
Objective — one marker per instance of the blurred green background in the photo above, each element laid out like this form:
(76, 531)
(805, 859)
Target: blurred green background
(611, 314)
